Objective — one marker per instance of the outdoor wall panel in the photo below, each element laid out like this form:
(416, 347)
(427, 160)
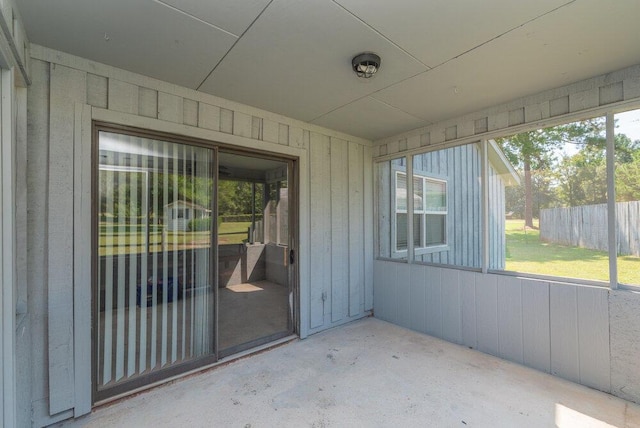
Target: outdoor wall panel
(339, 230)
(468, 308)
(433, 302)
(320, 232)
(403, 295)
(487, 313)
(68, 86)
(124, 98)
(510, 319)
(564, 332)
(417, 296)
(536, 334)
(451, 315)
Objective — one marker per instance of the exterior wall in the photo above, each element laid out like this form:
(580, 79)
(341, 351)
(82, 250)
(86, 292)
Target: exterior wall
(581, 333)
(554, 327)
(66, 95)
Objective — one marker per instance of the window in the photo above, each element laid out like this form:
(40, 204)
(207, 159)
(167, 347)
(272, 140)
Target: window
(557, 213)
(392, 227)
(429, 211)
(538, 203)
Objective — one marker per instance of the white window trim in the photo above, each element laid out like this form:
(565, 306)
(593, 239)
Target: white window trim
(422, 248)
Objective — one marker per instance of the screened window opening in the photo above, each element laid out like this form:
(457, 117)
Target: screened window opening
(556, 217)
(627, 188)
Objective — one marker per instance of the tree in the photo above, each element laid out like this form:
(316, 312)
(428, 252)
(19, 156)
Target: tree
(537, 149)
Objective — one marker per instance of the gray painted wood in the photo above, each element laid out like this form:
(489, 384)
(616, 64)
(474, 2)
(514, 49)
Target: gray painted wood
(97, 90)
(593, 337)
(379, 287)
(390, 295)
(611, 93)
(339, 230)
(384, 197)
(242, 125)
(433, 302)
(402, 295)
(510, 340)
(417, 298)
(536, 332)
(147, 102)
(68, 86)
(170, 108)
(37, 253)
(487, 313)
(123, 96)
(283, 134)
(256, 128)
(226, 120)
(356, 229)
(82, 258)
(564, 331)
(190, 112)
(320, 228)
(368, 228)
(468, 308)
(270, 131)
(451, 306)
(208, 116)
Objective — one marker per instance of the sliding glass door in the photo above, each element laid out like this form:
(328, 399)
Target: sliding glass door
(155, 299)
(192, 256)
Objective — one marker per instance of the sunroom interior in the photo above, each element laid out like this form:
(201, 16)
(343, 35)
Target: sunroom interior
(187, 182)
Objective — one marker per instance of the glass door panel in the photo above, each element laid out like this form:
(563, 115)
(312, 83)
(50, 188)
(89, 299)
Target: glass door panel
(253, 252)
(154, 299)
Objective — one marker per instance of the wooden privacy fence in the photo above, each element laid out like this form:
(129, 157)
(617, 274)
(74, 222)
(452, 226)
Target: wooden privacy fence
(586, 226)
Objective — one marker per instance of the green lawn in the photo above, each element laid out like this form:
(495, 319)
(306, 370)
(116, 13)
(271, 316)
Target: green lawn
(132, 239)
(527, 254)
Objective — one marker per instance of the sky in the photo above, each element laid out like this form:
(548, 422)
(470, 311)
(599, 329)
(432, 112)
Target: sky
(628, 123)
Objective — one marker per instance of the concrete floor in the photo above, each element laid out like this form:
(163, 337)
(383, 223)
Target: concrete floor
(368, 373)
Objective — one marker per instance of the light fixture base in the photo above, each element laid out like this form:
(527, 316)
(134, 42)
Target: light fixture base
(366, 64)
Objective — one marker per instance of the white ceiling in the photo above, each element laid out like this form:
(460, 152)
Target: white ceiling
(440, 58)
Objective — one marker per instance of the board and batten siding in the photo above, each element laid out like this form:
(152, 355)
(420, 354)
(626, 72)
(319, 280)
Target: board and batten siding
(460, 166)
(335, 251)
(557, 328)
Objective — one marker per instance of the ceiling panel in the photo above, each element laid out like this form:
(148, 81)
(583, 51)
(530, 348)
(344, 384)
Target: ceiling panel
(369, 118)
(230, 15)
(296, 60)
(438, 30)
(133, 35)
(547, 53)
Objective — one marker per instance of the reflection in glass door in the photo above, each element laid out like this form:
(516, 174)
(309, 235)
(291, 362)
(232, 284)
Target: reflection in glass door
(154, 298)
(254, 289)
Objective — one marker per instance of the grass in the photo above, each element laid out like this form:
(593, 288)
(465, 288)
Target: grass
(132, 240)
(527, 254)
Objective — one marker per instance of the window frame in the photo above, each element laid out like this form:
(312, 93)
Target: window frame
(482, 140)
(423, 248)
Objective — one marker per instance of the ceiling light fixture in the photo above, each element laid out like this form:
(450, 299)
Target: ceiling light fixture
(366, 64)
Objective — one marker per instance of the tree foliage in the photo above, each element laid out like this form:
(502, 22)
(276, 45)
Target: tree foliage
(569, 179)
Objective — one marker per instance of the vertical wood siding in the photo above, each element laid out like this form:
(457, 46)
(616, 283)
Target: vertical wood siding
(336, 257)
(557, 328)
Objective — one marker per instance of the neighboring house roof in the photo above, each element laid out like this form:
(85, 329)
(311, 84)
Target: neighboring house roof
(187, 205)
(502, 164)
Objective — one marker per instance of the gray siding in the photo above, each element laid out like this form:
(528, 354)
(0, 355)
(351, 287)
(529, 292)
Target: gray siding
(335, 224)
(558, 328)
(461, 167)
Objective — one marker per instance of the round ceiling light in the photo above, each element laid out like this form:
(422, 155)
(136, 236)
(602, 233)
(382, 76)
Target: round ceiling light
(366, 64)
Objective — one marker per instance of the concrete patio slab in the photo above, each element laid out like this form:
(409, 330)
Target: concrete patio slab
(368, 373)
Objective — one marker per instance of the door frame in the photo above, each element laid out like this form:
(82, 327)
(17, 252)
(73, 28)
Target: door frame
(149, 380)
